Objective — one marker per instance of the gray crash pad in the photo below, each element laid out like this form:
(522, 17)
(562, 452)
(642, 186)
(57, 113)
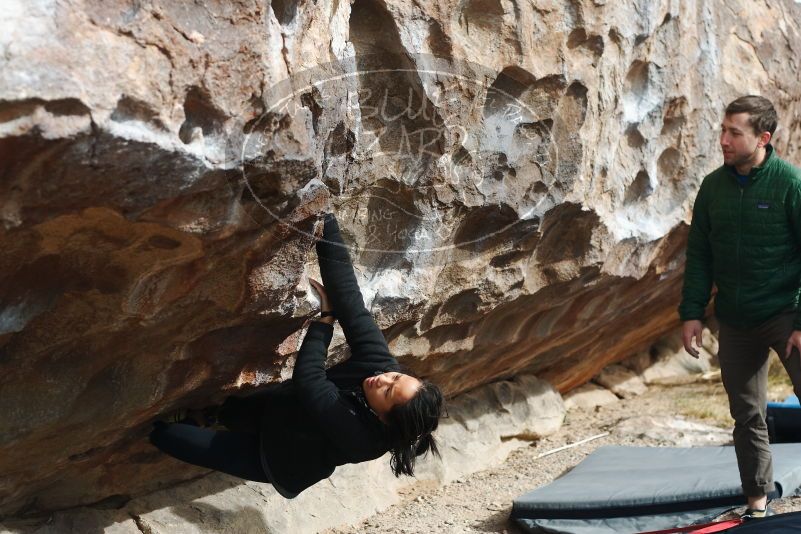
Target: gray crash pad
(630, 489)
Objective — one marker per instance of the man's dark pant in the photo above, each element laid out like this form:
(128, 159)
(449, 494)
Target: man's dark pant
(743, 356)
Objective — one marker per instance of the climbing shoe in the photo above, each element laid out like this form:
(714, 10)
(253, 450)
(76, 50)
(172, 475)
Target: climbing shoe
(754, 513)
(206, 417)
(180, 416)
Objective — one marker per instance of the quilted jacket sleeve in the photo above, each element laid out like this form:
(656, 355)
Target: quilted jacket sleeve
(793, 205)
(698, 268)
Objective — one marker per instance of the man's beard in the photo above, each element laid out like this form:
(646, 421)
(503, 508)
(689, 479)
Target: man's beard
(741, 160)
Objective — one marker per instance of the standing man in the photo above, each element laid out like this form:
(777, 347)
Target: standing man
(745, 238)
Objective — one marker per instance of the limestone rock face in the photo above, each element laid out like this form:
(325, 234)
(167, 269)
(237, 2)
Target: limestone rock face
(672, 364)
(514, 180)
(621, 381)
(589, 396)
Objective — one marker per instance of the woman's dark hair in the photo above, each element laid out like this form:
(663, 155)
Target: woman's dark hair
(409, 428)
(761, 114)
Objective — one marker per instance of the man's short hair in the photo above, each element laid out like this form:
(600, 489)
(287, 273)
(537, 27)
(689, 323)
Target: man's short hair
(761, 114)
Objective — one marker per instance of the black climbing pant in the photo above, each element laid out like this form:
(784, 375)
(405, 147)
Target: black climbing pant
(236, 453)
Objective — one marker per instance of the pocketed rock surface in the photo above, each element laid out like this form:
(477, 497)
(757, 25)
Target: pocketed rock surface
(482, 502)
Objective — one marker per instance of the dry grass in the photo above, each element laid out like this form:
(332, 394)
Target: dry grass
(779, 385)
(708, 402)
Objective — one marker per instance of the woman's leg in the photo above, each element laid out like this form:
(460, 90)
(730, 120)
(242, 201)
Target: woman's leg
(234, 453)
(242, 414)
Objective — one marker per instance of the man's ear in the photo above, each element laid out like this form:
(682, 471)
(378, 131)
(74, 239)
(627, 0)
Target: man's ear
(764, 138)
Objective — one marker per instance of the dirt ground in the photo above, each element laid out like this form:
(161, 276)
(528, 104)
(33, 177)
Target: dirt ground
(482, 502)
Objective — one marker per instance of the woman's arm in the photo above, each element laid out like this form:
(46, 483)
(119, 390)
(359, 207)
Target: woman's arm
(309, 378)
(365, 339)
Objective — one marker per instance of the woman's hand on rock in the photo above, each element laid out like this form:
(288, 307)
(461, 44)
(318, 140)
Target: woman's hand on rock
(325, 304)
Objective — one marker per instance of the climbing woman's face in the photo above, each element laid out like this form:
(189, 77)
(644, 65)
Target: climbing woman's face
(387, 390)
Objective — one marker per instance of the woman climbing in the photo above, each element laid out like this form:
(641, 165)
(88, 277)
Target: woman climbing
(296, 434)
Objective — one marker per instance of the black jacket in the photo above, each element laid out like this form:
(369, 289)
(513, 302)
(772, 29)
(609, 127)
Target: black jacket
(319, 420)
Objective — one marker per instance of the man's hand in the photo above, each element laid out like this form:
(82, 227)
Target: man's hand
(794, 341)
(690, 330)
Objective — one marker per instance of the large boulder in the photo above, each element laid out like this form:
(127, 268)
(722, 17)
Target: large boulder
(514, 180)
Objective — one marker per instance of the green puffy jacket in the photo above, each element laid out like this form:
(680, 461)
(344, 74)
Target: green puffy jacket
(747, 240)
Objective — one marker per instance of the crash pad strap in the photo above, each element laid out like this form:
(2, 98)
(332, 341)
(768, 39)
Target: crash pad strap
(706, 528)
